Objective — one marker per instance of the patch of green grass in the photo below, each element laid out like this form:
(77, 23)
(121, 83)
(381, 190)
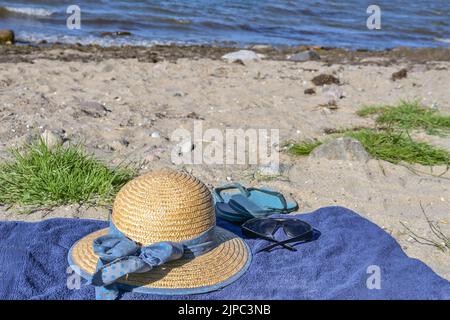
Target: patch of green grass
(398, 146)
(38, 176)
(258, 177)
(303, 148)
(391, 146)
(409, 115)
(366, 111)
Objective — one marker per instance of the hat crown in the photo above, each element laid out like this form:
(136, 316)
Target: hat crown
(163, 205)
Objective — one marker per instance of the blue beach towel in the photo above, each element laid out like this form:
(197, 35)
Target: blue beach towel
(350, 253)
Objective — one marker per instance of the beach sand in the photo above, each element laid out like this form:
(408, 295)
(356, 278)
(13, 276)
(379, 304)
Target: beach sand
(113, 99)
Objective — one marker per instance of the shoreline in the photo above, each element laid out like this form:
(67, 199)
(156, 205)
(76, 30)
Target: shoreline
(85, 53)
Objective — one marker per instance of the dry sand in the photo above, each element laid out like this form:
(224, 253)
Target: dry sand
(60, 90)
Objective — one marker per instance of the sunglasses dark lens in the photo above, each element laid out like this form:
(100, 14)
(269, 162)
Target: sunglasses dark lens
(262, 226)
(295, 228)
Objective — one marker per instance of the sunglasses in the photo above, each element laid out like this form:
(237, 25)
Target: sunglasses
(265, 228)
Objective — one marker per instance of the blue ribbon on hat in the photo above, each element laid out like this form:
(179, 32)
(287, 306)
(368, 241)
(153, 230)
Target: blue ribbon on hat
(119, 256)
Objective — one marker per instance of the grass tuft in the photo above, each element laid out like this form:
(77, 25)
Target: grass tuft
(409, 115)
(391, 146)
(392, 142)
(396, 147)
(38, 176)
(303, 148)
(366, 111)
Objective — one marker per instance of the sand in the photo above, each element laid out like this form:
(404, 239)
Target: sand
(115, 101)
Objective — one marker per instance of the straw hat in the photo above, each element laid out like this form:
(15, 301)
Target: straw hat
(168, 205)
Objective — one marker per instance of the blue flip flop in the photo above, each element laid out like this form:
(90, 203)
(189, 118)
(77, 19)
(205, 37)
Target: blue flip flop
(249, 203)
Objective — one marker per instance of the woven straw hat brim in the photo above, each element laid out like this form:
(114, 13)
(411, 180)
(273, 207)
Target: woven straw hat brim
(210, 271)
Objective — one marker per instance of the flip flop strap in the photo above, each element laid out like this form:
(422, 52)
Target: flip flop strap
(217, 191)
(243, 216)
(239, 217)
(279, 196)
(245, 206)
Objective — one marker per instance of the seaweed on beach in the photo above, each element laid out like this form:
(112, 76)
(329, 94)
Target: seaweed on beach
(438, 240)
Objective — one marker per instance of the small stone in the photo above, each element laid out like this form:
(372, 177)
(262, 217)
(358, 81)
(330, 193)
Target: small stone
(51, 139)
(271, 169)
(125, 142)
(410, 239)
(185, 147)
(115, 34)
(93, 109)
(194, 115)
(331, 104)
(304, 56)
(118, 145)
(243, 55)
(175, 92)
(310, 91)
(326, 111)
(108, 68)
(261, 47)
(156, 134)
(323, 79)
(6, 36)
(343, 148)
(155, 154)
(403, 73)
(333, 92)
(114, 146)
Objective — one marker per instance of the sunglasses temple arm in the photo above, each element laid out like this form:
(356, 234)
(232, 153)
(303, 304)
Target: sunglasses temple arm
(278, 243)
(284, 242)
(290, 248)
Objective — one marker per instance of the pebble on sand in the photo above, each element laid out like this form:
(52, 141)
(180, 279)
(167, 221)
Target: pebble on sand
(271, 169)
(310, 91)
(343, 148)
(115, 34)
(93, 109)
(185, 147)
(261, 47)
(304, 56)
(333, 92)
(403, 73)
(51, 139)
(6, 36)
(242, 55)
(322, 79)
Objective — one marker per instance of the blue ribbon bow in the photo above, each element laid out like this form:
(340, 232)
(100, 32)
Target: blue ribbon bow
(119, 255)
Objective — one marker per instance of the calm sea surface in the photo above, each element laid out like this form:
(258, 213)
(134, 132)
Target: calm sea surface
(419, 23)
